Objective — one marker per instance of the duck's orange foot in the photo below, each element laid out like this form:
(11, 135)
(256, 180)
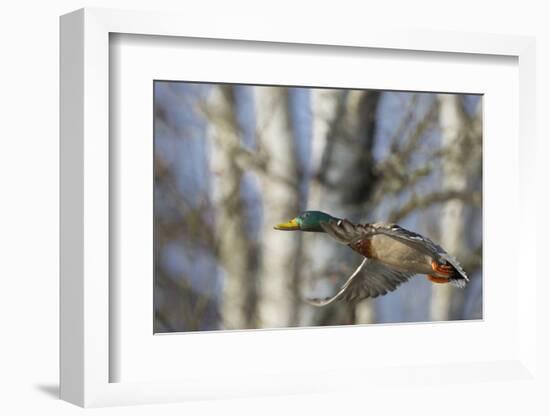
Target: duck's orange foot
(442, 269)
(437, 279)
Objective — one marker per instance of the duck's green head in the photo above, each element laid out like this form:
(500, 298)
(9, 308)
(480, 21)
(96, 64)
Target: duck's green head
(306, 221)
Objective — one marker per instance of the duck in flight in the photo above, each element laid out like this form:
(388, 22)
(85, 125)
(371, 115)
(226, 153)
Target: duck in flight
(392, 255)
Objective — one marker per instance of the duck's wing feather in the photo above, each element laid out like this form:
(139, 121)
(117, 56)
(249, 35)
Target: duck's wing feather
(347, 233)
(369, 280)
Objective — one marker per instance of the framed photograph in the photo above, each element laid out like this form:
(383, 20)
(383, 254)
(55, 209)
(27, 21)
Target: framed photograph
(246, 215)
(231, 160)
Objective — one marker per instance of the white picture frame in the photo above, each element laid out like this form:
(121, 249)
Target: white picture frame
(87, 356)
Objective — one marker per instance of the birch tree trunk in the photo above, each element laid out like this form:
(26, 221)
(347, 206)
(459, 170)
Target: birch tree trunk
(233, 246)
(469, 302)
(281, 203)
(343, 183)
(453, 124)
(316, 250)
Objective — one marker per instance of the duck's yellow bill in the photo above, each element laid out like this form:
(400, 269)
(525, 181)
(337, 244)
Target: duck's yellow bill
(288, 226)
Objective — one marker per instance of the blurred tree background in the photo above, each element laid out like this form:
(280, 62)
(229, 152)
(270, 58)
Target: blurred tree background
(231, 161)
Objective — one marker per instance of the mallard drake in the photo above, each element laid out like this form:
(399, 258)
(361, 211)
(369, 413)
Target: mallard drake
(392, 256)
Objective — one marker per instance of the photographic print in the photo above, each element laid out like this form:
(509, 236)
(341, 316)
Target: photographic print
(291, 206)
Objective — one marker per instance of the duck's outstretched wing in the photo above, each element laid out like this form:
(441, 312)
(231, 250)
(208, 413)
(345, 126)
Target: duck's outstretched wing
(348, 233)
(369, 280)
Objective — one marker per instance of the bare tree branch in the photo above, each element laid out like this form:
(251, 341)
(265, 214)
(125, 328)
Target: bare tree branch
(421, 202)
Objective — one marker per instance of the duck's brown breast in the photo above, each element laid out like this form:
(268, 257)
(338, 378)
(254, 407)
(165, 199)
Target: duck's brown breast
(363, 247)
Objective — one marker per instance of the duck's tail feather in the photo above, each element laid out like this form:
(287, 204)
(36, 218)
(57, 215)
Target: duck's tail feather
(458, 278)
